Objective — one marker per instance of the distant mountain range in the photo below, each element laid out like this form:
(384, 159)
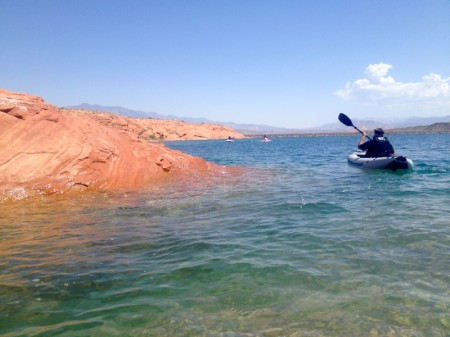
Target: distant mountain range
(413, 123)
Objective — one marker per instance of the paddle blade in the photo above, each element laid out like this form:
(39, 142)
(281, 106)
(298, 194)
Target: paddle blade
(345, 120)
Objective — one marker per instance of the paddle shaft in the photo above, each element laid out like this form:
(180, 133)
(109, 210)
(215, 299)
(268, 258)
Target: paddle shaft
(361, 132)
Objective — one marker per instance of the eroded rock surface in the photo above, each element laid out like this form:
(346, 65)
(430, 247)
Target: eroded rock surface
(46, 150)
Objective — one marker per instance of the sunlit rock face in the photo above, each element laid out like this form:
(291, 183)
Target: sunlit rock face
(46, 150)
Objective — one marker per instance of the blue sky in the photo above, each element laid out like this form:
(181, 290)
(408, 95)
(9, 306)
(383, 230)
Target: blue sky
(282, 63)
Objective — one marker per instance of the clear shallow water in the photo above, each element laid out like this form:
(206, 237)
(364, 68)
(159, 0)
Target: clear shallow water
(302, 245)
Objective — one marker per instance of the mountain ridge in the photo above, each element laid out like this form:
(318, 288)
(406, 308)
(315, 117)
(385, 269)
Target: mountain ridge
(367, 124)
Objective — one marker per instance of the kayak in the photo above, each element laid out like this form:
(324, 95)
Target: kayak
(387, 163)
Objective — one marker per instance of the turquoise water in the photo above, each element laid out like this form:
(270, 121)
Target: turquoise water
(301, 244)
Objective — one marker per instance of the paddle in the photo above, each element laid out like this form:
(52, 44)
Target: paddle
(347, 121)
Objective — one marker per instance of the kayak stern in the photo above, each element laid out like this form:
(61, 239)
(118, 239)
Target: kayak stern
(387, 163)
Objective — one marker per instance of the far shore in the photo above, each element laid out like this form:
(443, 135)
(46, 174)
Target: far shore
(342, 134)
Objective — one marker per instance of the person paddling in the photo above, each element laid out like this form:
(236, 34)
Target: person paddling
(379, 146)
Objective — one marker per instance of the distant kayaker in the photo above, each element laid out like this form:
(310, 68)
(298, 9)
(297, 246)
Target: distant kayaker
(229, 139)
(379, 146)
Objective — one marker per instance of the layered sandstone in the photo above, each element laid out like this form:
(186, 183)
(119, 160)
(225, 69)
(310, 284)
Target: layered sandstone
(46, 150)
(159, 129)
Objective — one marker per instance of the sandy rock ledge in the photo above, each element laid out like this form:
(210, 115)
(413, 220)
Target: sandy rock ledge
(47, 150)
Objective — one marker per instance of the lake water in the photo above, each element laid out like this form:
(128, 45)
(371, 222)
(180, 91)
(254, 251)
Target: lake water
(301, 244)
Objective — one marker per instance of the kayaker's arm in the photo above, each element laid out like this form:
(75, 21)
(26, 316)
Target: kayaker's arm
(391, 151)
(363, 138)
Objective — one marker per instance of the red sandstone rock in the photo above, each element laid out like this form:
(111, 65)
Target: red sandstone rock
(46, 150)
(159, 129)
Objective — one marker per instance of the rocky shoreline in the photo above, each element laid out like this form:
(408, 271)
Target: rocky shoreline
(46, 150)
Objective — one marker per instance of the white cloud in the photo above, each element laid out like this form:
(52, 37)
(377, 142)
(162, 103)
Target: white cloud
(376, 73)
(378, 86)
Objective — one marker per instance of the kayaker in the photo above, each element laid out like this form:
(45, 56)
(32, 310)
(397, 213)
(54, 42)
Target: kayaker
(379, 146)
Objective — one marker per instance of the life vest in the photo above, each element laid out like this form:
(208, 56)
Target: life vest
(379, 147)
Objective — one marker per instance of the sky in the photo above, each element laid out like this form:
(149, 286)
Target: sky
(293, 64)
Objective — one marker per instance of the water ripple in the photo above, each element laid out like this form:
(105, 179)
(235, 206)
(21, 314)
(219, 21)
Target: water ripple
(300, 245)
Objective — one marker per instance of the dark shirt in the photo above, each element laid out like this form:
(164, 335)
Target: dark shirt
(377, 147)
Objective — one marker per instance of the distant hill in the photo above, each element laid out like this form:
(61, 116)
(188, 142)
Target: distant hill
(417, 121)
(433, 128)
(388, 124)
(258, 129)
(119, 110)
(247, 129)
